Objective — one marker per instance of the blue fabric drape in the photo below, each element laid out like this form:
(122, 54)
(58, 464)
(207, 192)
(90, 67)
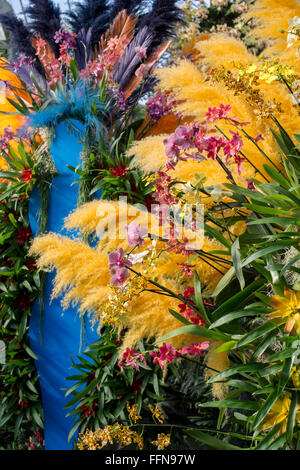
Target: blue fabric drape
(60, 330)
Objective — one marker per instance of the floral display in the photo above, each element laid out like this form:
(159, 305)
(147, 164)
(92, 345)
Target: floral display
(182, 252)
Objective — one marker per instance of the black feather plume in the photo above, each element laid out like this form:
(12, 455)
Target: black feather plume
(19, 35)
(131, 6)
(45, 20)
(161, 21)
(83, 50)
(92, 14)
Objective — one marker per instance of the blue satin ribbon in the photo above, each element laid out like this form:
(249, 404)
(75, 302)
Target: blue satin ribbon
(60, 330)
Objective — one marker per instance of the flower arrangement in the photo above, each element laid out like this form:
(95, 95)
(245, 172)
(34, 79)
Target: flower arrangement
(195, 289)
(94, 71)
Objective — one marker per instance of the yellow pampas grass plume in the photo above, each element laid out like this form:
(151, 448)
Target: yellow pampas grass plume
(150, 152)
(83, 275)
(219, 362)
(273, 16)
(221, 49)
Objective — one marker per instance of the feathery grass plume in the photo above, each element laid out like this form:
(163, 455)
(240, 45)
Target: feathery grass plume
(149, 152)
(45, 20)
(83, 275)
(92, 14)
(219, 362)
(116, 214)
(196, 95)
(220, 49)
(273, 16)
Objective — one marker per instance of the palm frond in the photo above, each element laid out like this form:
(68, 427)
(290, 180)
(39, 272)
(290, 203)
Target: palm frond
(123, 25)
(150, 64)
(130, 60)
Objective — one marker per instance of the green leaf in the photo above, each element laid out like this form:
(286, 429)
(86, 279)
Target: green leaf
(279, 443)
(226, 346)
(267, 210)
(71, 389)
(224, 281)
(194, 330)
(13, 220)
(30, 352)
(37, 418)
(215, 234)
(234, 315)
(179, 317)
(263, 252)
(276, 176)
(244, 405)
(22, 326)
(198, 295)
(17, 425)
(74, 69)
(263, 346)
(286, 353)
(286, 371)
(258, 332)
(211, 441)
(238, 298)
(233, 370)
(292, 417)
(236, 259)
(273, 220)
(264, 410)
(244, 385)
(31, 386)
(289, 264)
(155, 384)
(18, 107)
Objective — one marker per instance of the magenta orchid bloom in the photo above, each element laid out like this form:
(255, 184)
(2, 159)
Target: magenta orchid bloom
(119, 276)
(195, 348)
(135, 234)
(130, 358)
(117, 265)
